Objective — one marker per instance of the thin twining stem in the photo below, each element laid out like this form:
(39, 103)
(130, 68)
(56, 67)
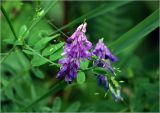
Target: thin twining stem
(28, 47)
(9, 22)
(13, 31)
(57, 29)
(11, 50)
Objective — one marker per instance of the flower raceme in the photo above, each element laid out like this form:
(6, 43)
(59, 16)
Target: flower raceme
(75, 51)
(103, 54)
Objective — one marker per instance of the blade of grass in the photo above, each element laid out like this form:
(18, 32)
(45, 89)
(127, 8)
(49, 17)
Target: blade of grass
(94, 13)
(60, 85)
(137, 33)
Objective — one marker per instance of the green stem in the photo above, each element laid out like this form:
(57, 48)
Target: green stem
(28, 47)
(11, 50)
(9, 22)
(13, 31)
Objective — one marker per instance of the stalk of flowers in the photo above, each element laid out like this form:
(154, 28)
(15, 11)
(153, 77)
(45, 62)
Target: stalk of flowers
(103, 54)
(76, 49)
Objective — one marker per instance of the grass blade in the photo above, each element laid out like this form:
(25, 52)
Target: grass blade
(94, 13)
(137, 33)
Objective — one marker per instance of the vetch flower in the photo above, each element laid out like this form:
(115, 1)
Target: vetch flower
(79, 46)
(106, 65)
(69, 69)
(102, 80)
(76, 49)
(103, 52)
(103, 60)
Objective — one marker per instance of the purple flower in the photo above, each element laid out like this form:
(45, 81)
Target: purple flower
(102, 80)
(104, 64)
(76, 50)
(103, 52)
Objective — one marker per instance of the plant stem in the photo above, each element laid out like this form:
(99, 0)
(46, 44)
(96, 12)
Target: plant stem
(28, 47)
(7, 54)
(13, 31)
(9, 22)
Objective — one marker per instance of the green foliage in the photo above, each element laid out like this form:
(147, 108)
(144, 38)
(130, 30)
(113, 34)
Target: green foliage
(38, 73)
(99, 70)
(31, 46)
(42, 43)
(52, 48)
(56, 105)
(81, 77)
(84, 64)
(73, 107)
(38, 60)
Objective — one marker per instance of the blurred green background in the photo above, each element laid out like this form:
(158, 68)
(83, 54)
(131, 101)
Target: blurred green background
(139, 63)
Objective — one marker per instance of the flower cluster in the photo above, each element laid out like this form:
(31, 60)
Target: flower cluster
(103, 54)
(76, 49)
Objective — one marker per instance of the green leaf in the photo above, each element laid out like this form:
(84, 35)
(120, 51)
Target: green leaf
(43, 42)
(22, 30)
(19, 90)
(36, 36)
(55, 88)
(33, 92)
(73, 107)
(99, 70)
(84, 64)
(56, 105)
(9, 93)
(114, 82)
(45, 109)
(38, 73)
(9, 40)
(28, 52)
(52, 48)
(37, 54)
(57, 55)
(137, 33)
(37, 60)
(81, 77)
(13, 41)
